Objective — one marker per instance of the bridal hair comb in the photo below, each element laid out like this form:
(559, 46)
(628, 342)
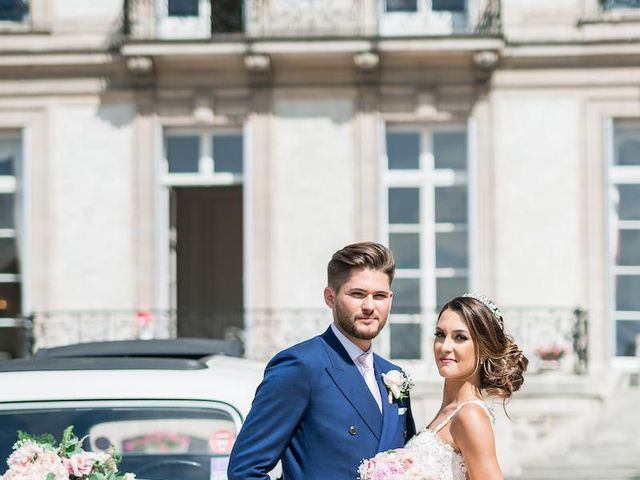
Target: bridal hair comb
(487, 302)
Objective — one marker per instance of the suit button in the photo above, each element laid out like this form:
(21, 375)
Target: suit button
(353, 430)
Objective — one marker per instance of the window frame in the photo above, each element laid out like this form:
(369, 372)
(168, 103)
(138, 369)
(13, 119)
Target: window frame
(183, 27)
(206, 174)
(166, 287)
(425, 20)
(427, 178)
(618, 175)
(13, 184)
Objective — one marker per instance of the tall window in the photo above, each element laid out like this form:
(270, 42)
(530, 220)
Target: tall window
(14, 10)
(10, 286)
(427, 225)
(624, 195)
(203, 176)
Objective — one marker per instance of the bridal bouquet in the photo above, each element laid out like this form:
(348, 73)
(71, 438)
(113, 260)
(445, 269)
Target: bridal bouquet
(398, 464)
(38, 458)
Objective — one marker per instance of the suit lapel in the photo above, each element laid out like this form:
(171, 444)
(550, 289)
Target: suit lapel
(348, 379)
(389, 410)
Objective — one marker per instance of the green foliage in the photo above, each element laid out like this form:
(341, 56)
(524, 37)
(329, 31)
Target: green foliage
(70, 444)
(46, 439)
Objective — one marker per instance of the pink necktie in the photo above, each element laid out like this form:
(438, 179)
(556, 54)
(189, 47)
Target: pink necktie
(366, 361)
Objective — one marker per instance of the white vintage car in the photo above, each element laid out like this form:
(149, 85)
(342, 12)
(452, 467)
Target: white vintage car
(171, 408)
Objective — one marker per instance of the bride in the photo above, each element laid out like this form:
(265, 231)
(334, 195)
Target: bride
(475, 357)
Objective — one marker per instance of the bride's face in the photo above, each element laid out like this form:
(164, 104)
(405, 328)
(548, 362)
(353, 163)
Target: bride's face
(453, 348)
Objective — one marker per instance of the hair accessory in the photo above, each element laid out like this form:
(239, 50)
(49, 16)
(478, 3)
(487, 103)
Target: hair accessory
(487, 302)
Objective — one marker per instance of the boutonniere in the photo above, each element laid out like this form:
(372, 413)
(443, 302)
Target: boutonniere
(398, 384)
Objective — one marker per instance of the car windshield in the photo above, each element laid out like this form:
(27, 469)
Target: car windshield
(157, 440)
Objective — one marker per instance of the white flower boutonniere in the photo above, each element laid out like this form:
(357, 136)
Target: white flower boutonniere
(398, 384)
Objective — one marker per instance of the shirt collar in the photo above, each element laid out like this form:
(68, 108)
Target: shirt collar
(352, 349)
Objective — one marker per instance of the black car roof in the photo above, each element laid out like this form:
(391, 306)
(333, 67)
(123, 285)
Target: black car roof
(157, 354)
(100, 363)
(189, 348)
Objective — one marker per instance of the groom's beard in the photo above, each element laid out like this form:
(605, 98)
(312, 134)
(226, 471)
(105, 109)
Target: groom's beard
(349, 324)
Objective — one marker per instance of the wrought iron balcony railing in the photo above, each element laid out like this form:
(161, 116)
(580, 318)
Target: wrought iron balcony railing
(550, 337)
(150, 19)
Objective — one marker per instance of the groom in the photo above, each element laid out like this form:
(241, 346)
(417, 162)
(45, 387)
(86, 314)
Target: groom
(322, 406)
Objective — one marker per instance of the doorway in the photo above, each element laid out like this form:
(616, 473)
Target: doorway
(207, 244)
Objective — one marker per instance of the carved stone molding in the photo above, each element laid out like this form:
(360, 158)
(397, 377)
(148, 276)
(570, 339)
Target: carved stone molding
(484, 63)
(259, 68)
(141, 69)
(366, 61)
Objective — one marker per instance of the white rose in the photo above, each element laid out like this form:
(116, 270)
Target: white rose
(394, 379)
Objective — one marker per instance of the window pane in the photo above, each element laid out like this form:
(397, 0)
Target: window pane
(228, 153)
(10, 147)
(404, 205)
(450, 150)
(402, 5)
(627, 288)
(451, 204)
(226, 16)
(626, 333)
(183, 8)
(617, 4)
(452, 250)
(14, 10)
(406, 295)
(7, 218)
(405, 340)
(626, 142)
(403, 150)
(448, 5)
(449, 288)
(9, 299)
(406, 249)
(629, 248)
(183, 154)
(8, 256)
(629, 206)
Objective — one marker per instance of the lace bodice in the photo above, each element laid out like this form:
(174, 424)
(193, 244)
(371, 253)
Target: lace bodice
(431, 449)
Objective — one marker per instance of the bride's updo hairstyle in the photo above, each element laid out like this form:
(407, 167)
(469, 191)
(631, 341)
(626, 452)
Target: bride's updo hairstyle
(501, 362)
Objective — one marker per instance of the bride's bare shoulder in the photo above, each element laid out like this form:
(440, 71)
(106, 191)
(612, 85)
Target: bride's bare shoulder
(471, 424)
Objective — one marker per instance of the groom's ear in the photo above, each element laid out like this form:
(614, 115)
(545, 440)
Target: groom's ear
(329, 297)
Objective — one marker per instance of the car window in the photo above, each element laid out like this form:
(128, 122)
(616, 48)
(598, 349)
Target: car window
(162, 440)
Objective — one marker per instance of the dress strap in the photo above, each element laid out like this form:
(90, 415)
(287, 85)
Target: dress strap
(459, 407)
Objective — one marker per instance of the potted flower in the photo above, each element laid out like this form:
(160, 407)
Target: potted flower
(39, 458)
(550, 356)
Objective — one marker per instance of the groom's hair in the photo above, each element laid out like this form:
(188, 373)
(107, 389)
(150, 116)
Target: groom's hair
(359, 256)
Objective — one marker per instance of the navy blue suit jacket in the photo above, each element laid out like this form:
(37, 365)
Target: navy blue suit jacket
(314, 411)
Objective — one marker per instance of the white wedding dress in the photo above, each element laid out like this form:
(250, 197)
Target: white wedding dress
(439, 455)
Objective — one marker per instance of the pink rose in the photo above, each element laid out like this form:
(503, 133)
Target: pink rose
(80, 464)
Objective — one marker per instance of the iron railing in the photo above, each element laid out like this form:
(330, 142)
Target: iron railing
(142, 19)
(551, 338)
(16, 337)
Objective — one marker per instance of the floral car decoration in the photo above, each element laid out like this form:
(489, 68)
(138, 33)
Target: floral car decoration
(39, 458)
